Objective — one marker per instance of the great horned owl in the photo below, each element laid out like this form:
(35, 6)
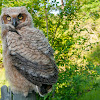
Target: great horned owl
(27, 55)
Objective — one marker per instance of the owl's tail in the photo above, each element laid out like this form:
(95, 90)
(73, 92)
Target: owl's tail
(44, 89)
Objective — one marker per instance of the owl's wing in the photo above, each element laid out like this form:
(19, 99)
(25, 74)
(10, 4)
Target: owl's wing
(35, 64)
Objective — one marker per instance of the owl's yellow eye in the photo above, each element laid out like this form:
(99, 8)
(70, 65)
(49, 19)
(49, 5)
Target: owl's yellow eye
(8, 18)
(20, 17)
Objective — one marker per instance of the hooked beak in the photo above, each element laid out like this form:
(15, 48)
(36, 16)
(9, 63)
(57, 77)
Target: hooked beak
(14, 22)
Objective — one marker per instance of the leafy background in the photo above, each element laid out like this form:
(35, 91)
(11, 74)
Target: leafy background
(74, 34)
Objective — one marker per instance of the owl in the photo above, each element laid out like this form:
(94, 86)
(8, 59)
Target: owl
(27, 55)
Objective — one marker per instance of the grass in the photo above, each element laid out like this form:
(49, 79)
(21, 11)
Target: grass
(94, 94)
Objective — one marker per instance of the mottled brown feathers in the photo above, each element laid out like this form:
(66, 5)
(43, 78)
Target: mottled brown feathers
(27, 55)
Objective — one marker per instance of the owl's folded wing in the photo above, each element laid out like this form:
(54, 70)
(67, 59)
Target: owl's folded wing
(33, 58)
(35, 72)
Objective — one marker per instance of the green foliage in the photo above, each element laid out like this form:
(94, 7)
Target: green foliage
(94, 94)
(74, 35)
(94, 55)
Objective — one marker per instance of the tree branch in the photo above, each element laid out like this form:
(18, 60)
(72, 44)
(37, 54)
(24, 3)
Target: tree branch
(59, 20)
(62, 4)
(46, 19)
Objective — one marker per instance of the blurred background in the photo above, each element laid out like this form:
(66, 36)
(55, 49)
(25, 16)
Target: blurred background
(73, 30)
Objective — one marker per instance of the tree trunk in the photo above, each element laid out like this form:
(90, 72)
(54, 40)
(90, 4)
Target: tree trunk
(46, 19)
(62, 4)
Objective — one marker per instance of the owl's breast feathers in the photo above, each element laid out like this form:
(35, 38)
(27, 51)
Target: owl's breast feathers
(32, 56)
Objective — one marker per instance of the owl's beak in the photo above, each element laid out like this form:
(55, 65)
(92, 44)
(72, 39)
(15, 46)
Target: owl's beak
(14, 22)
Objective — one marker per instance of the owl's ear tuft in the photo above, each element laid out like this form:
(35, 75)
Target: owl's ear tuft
(4, 9)
(23, 7)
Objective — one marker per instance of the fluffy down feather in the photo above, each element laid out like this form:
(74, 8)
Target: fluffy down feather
(27, 56)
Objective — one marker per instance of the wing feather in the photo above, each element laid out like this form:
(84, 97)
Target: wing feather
(32, 71)
(32, 59)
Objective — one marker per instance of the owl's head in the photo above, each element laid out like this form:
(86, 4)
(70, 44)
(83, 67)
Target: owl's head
(16, 16)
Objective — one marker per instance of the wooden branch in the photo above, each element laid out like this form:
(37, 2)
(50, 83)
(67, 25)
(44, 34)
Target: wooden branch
(62, 4)
(59, 20)
(58, 24)
(46, 18)
(6, 94)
